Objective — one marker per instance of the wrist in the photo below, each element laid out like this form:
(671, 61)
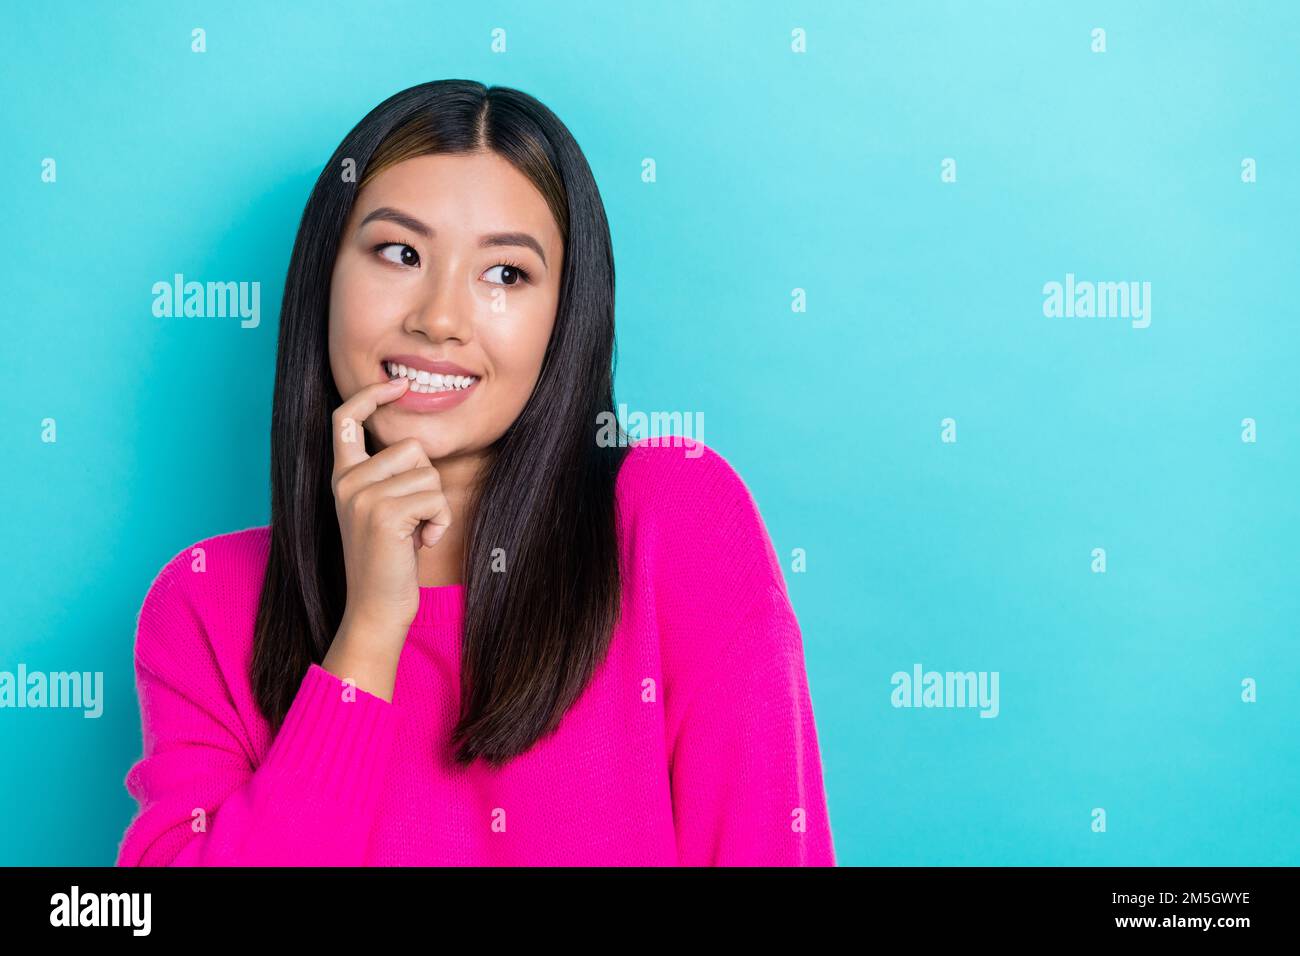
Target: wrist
(359, 653)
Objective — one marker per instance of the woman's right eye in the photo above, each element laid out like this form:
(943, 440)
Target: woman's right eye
(403, 259)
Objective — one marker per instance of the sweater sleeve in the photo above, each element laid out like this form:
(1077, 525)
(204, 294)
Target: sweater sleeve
(203, 799)
(745, 768)
(746, 778)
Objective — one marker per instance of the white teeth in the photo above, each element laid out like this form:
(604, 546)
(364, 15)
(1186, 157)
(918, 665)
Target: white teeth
(424, 382)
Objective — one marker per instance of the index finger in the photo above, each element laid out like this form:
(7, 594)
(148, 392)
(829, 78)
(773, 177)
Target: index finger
(349, 438)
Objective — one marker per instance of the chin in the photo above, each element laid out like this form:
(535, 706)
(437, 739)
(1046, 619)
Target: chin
(435, 445)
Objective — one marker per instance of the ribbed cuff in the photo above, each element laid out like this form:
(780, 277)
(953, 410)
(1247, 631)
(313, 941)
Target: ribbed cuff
(339, 747)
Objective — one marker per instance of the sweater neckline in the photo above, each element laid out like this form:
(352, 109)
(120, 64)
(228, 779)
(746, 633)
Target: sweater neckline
(440, 604)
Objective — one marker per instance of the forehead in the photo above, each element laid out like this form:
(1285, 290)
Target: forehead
(462, 193)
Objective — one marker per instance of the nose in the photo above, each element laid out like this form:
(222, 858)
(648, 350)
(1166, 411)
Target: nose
(444, 310)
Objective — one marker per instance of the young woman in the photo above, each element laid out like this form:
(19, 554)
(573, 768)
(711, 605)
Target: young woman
(474, 632)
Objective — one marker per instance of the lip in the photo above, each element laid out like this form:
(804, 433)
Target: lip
(429, 401)
(426, 365)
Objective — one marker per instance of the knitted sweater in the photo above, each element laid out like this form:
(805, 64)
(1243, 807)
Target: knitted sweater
(693, 745)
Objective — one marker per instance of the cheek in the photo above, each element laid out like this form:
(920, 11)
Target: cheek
(515, 345)
(353, 330)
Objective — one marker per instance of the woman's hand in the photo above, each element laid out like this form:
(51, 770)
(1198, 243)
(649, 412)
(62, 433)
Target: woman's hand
(389, 506)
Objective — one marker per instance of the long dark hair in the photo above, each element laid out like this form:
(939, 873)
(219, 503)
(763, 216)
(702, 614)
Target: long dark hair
(534, 635)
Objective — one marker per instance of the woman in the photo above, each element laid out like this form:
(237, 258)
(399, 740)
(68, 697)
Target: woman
(472, 633)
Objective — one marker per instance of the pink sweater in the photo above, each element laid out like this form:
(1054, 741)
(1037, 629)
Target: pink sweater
(693, 745)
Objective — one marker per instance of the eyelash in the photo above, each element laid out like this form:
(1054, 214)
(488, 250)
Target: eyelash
(523, 273)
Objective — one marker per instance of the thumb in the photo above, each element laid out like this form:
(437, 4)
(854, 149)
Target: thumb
(431, 534)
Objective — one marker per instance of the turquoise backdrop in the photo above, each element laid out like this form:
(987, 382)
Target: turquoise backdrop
(921, 171)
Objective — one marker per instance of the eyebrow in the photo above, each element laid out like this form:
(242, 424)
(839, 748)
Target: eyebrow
(397, 217)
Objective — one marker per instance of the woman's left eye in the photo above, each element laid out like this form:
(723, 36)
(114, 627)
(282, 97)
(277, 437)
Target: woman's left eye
(510, 274)
(403, 259)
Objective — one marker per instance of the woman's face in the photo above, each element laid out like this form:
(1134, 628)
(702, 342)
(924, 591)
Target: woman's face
(437, 271)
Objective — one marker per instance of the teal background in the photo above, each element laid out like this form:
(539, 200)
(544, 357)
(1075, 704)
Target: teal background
(776, 171)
